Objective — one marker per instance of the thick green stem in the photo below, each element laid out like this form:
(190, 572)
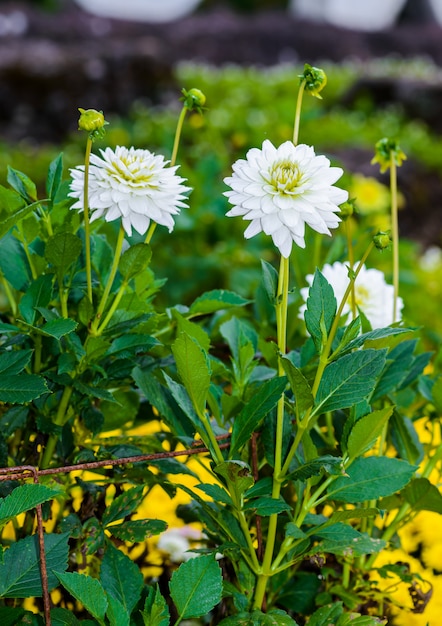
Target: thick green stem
(87, 238)
(351, 261)
(395, 234)
(9, 295)
(110, 282)
(281, 320)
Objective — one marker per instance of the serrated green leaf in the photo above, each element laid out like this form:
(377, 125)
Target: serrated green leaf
(22, 184)
(24, 498)
(94, 392)
(396, 369)
(299, 385)
(405, 438)
(121, 578)
(14, 362)
(321, 310)
(356, 513)
(193, 369)
(20, 571)
(254, 412)
(344, 540)
(116, 613)
(62, 250)
(216, 300)
(131, 344)
(366, 430)
(86, 590)
(237, 475)
(423, 496)
(270, 280)
(326, 464)
(135, 260)
(196, 587)
(58, 328)
(376, 335)
(53, 179)
(137, 530)
(63, 617)
(274, 617)
(348, 380)
(11, 616)
(156, 611)
(370, 478)
(39, 294)
(217, 493)
(21, 388)
(266, 505)
(181, 397)
(123, 505)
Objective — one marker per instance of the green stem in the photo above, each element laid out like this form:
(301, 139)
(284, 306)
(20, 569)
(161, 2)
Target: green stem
(87, 239)
(176, 144)
(281, 320)
(58, 421)
(37, 354)
(113, 307)
(110, 281)
(27, 252)
(351, 261)
(298, 112)
(395, 233)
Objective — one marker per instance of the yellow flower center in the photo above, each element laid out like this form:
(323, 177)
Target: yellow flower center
(361, 295)
(285, 177)
(132, 171)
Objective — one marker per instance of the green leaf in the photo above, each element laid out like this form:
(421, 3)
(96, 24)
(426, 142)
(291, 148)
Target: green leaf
(86, 590)
(192, 329)
(366, 430)
(62, 250)
(344, 540)
(376, 335)
(328, 614)
(237, 474)
(356, 513)
(21, 388)
(130, 344)
(321, 310)
(121, 578)
(196, 587)
(348, 380)
(299, 385)
(274, 617)
(423, 496)
(193, 368)
(58, 328)
(122, 410)
(216, 300)
(116, 613)
(370, 478)
(135, 260)
(63, 617)
(24, 498)
(266, 505)
(254, 411)
(11, 616)
(405, 438)
(396, 369)
(326, 464)
(123, 505)
(156, 611)
(137, 530)
(181, 397)
(270, 280)
(53, 179)
(14, 362)
(217, 493)
(20, 571)
(351, 333)
(161, 398)
(39, 294)
(22, 184)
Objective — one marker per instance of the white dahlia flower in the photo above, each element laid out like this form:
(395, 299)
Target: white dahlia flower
(280, 190)
(132, 184)
(374, 297)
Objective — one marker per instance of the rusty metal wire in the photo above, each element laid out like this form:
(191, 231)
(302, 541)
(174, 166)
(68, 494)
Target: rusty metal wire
(21, 472)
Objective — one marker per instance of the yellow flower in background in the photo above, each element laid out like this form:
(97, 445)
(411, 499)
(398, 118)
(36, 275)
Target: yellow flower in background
(370, 194)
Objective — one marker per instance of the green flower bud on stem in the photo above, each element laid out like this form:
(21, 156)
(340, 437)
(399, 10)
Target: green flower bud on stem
(347, 209)
(194, 99)
(92, 122)
(388, 151)
(315, 80)
(382, 240)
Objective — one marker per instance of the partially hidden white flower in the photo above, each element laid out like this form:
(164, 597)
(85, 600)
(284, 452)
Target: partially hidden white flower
(175, 543)
(280, 190)
(132, 184)
(374, 297)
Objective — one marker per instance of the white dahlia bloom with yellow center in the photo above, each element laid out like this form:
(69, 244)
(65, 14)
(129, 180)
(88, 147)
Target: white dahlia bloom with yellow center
(373, 295)
(280, 190)
(130, 184)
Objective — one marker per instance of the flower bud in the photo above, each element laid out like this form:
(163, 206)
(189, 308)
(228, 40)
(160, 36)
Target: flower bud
(388, 151)
(315, 80)
(194, 99)
(347, 209)
(382, 240)
(92, 122)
